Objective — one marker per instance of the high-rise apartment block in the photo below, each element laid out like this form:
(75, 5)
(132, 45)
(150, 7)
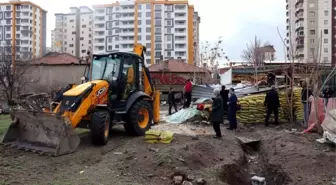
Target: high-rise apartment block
(311, 30)
(73, 31)
(168, 29)
(22, 30)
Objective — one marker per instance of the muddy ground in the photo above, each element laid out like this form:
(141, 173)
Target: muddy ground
(283, 157)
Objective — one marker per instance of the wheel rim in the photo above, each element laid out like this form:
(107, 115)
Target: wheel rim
(143, 118)
(107, 127)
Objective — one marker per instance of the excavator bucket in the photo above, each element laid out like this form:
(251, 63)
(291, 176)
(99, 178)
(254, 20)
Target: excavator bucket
(41, 132)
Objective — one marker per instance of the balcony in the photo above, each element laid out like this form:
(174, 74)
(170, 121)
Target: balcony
(299, 4)
(299, 28)
(99, 19)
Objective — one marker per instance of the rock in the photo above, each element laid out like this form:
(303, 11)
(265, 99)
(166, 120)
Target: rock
(190, 177)
(181, 159)
(194, 137)
(178, 180)
(200, 181)
(150, 175)
(256, 180)
(154, 149)
(282, 145)
(187, 183)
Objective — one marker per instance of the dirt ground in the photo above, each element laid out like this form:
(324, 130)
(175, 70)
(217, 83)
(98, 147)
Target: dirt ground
(283, 157)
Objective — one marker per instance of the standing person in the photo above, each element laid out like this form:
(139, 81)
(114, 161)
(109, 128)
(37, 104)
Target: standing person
(225, 96)
(272, 103)
(187, 93)
(232, 110)
(217, 113)
(305, 94)
(327, 93)
(171, 101)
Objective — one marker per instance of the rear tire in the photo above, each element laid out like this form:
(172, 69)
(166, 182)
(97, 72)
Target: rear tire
(140, 118)
(100, 127)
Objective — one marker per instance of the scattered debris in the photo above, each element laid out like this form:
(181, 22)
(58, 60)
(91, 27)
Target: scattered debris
(154, 149)
(81, 172)
(117, 153)
(258, 180)
(200, 181)
(178, 180)
(187, 183)
(190, 177)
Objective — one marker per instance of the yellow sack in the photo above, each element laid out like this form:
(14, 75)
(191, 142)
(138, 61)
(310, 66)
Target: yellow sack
(167, 141)
(153, 132)
(150, 137)
(152, 141)
(166, 135)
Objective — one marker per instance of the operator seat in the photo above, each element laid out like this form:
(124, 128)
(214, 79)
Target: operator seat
(129, 82)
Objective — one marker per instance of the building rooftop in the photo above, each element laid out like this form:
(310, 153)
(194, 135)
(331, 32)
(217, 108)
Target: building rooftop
(178, 66)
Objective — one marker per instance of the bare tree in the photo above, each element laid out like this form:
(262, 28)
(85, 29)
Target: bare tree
(253, 54)
(13, 76)
(312, 69)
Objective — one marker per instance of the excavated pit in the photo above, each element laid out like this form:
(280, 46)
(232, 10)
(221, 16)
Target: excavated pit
(254, 162)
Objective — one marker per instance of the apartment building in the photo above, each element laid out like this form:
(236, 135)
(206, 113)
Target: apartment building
(196, 22)
(165, 27)
(22, 30)
(73, 31)
(311, 30)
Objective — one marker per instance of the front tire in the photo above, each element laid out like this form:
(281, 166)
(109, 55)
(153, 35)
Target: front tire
(100, 127)
(140, 118)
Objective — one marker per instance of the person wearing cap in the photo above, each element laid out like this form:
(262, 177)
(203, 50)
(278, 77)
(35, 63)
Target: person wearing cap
(171, 101)
(232, 113)
(272, 103)
(217, 113)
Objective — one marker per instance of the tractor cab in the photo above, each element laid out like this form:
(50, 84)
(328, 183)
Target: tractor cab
(122, 72)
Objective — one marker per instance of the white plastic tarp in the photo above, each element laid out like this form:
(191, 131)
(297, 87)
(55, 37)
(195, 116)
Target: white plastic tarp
(329, 126)
(185, 114)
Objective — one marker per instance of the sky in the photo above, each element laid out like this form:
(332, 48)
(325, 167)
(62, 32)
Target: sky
(236, 21)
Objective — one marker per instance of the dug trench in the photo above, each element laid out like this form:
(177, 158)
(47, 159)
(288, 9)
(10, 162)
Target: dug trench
(254, 162)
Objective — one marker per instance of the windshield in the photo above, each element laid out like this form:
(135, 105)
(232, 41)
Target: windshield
(105, 68)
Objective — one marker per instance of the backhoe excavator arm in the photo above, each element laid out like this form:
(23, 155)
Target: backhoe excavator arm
(149, 88)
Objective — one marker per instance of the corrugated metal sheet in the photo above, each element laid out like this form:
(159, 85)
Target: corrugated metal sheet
(200, 91)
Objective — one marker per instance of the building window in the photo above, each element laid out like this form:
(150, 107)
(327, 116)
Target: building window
(169, 46)
(169, 38)
(148, 6)
(148, 14)
(157, 22)
(326, 31)
(116, 38)
(312, 13)
(71, 45)
(325, 59)
(71, 20)
(73, 33)
(325, 41)
(109, 25)
(83, 51)
(109, 48)
(325, 50)
(312, 32)
(157, 30)
(139, 30)
(82, 38)
(110, 33)
(325, 22)
(139, 37)
(158, 46)
(148, 37)
(312, 22)
(148, 22)
(89, 41)
(139, 6)
(148, 30)
(312, 50)
(326, 13)
(158, 38)
(312, 41)
(148, 45)
(117, 46)
(110, 17)
(139, 14)
(139, 22)
(83, 26)
(169, 54)
(109, 40)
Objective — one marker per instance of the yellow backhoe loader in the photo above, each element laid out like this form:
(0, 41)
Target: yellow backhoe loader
(120, 89)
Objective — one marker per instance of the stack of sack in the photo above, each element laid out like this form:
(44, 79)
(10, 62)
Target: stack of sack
(158, 136)
(254, 111)
(298, 106)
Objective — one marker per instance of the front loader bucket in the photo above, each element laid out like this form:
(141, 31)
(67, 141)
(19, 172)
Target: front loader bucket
(44, 133)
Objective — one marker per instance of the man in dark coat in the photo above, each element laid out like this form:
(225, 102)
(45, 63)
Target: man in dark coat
(327, 93)
(171, 100)
(217, 113)
(225, 96)
(272, 104)
(232, 113)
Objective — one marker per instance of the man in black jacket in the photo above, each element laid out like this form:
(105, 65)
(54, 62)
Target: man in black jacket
(272, 104)
(217, 113)
(225, 97)
(305, 94)
(171, 100)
